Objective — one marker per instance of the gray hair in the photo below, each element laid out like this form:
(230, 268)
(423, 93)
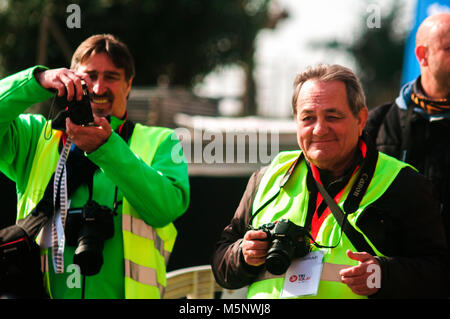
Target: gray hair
(328, 73)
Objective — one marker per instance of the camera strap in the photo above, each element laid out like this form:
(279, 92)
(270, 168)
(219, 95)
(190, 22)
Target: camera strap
(73, 169)
(353, 200)
(59, 216)
(283, 182)
(355, 237)
(60, 188)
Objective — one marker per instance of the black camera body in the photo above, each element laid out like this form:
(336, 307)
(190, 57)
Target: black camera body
(87, 230)
(79, 112)
(287, 241)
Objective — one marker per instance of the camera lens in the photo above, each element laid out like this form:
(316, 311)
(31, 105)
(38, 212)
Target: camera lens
(89, 256)
(288, 241)
(277, 264)
(279, 257)
(97, 225)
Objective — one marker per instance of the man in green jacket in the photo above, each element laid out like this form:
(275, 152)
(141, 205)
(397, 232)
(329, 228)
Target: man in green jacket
(135, 186)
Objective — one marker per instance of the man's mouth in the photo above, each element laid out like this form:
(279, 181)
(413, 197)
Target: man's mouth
(101, 99)
(323, 141)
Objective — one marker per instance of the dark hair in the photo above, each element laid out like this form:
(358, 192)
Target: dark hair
(335, 72)
(109, 44)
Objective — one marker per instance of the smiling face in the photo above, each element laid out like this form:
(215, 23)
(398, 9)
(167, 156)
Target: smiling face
(327, 131)
(110, 87)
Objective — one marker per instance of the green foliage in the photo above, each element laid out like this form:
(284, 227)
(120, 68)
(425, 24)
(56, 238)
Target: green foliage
(182, 40)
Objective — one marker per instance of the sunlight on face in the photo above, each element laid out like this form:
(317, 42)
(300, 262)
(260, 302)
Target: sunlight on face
(327, 130)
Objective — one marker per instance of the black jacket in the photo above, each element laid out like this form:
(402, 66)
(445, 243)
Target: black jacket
(417, 265)
(403, 131)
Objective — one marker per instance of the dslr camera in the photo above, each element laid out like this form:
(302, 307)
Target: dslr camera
(87, 229)
(79, 112)
(287, 241)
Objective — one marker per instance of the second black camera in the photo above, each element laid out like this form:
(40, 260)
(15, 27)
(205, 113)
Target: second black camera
(87, 230)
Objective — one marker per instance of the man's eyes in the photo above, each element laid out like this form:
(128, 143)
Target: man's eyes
(334, 117)
(307, 118)
(328, 118)
(107, 77)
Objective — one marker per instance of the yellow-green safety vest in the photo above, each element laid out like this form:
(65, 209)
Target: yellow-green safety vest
(146, 249)
(292, 203)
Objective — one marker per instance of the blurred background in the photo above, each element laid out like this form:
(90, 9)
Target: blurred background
(218, 66)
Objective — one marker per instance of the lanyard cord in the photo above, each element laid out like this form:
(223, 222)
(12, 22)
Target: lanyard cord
(353, 200)
(283, 182)
(59, 216)
(60, 191)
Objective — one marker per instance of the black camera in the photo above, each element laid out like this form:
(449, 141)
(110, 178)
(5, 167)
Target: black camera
(79, 112)
(87, 229)
(287, 241)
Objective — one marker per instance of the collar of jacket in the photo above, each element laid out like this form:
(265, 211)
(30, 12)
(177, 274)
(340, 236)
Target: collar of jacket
(404, 100)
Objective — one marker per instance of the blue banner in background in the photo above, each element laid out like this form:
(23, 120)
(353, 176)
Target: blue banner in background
(424, 8)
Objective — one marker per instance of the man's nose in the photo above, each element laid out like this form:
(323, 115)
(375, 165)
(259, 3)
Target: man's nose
(320, 128)
(99, 87)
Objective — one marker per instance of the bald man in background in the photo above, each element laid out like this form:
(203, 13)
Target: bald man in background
(415, 128)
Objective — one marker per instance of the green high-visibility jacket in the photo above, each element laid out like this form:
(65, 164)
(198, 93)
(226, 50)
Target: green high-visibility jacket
(295, 208)
(152, 185)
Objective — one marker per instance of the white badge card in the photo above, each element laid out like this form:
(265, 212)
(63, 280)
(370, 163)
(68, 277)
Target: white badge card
(303, 276)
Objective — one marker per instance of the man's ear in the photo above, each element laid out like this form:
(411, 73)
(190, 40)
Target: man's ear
(130, 82)
(421, 55)
(362, 119)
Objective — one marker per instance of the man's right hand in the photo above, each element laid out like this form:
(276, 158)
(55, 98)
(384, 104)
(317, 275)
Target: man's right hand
(255, 247)
(64, 79)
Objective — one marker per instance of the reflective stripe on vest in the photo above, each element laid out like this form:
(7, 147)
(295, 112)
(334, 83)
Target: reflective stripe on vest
(292, 203)
(146, 249)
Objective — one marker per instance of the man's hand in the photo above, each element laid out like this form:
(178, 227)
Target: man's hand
(254, 247)
(64, 79)
(89, 138)
(356, 277)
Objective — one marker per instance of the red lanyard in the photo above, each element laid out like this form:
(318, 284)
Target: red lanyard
(317, 222)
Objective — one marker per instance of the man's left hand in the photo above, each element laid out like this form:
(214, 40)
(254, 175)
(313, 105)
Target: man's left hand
(357, 277)
(89, 138)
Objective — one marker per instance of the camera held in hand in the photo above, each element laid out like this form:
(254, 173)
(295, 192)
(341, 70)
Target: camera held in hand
(87, 230)
(287, 241)
(79, 112)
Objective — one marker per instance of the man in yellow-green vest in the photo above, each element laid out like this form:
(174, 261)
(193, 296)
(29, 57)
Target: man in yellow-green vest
(335, 219)
(107, 189)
